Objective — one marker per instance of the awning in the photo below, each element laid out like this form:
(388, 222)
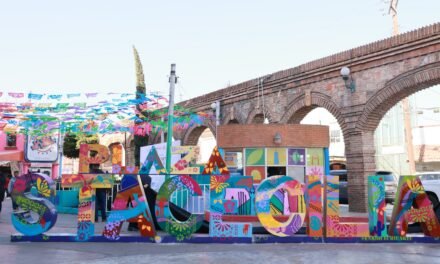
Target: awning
(11, 155)
(4, 163)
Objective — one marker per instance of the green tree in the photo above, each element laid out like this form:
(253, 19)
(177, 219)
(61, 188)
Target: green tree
(72, 143)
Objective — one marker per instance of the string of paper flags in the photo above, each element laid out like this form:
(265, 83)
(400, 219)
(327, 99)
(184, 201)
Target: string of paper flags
(90, 113)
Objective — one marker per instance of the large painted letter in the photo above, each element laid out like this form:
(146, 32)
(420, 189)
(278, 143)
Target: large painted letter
(165, 219)
(295, 192)
(376, 206)
(140, 213)
(216, 162)
(152, 160)
(410, 192)
(102, 156)
(230, 196)
(333, 227)
(183, 165)
(86, 208)
(23, 221)
(314, 206)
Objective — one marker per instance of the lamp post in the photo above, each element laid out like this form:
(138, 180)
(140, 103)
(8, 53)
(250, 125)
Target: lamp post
(216, 108)
(172, 80)
(348, 79)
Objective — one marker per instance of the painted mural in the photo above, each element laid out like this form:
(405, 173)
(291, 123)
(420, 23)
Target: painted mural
(86, 183)
(131, 194)
(166, 220)
(314, 206)
(230, 196)
(334, 227)
(413, 205)
(37, 213)
(376, 206)
(295, 191)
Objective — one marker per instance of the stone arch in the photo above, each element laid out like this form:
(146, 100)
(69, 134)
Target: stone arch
(155, 138)
(233, 121)
(193, 133)
(394, 91)
(233, 117)
(257, 116)
(298, 109)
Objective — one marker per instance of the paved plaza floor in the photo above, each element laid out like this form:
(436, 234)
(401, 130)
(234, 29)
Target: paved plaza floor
(25, 252)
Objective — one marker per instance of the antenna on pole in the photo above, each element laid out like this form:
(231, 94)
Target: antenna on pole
(405, 102)
(393, 12)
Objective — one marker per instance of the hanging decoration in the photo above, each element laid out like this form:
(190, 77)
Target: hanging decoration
(91, 113)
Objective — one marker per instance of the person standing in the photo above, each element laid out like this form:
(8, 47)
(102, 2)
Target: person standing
(2, 189)
(10, 187)
(101, 196)
(8, 178)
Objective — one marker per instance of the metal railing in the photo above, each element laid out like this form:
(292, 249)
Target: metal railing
(192, 204)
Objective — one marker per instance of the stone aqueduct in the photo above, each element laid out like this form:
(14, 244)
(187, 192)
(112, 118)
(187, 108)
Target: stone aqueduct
(385, 72)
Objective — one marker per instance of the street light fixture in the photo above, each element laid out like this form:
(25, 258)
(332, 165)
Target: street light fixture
(348, 79)
(216, 108)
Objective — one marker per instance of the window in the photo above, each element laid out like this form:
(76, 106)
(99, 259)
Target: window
(11, 140)
(335, 136)
(386, 134)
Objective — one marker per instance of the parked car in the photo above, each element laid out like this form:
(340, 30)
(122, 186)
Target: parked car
(390, 185)
(343, 194)
(431, 183)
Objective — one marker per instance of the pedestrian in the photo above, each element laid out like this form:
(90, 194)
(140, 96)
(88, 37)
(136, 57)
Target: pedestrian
(8, 178)
(10, 189)
(101, 196)
(2, 189)
(146, 185)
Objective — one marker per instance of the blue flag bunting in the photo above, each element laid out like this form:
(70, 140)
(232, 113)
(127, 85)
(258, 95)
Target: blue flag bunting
(35, 96)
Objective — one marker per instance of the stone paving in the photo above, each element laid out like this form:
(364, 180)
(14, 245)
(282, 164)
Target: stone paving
(200, 253)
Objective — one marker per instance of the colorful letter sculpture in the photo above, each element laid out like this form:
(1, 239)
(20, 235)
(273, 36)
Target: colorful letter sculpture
(295, 191)
(216, 162)
(116, 151)
(152, 160)
(165, 219)
(183, 166)
(410, 192)
(314, 206)
(376, 206)
(39, 205)
(87, 183)
(84, 159)
(333, 227)
(140, 212)
(230, 195)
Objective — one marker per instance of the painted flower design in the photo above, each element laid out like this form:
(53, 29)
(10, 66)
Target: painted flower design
(181, 164)
(43, 187)
(222, 226)
(218, 185)
(415, 186)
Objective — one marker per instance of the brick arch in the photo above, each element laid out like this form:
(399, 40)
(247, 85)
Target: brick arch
(232, 118)
(394, 91)
(297, 109)
(155, 138)
(192, 136)
(258, 113)
(193, 133)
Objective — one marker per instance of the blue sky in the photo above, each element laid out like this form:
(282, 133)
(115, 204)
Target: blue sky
(65, 46)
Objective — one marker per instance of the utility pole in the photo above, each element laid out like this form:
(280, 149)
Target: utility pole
(405, 102)
(173, 81)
